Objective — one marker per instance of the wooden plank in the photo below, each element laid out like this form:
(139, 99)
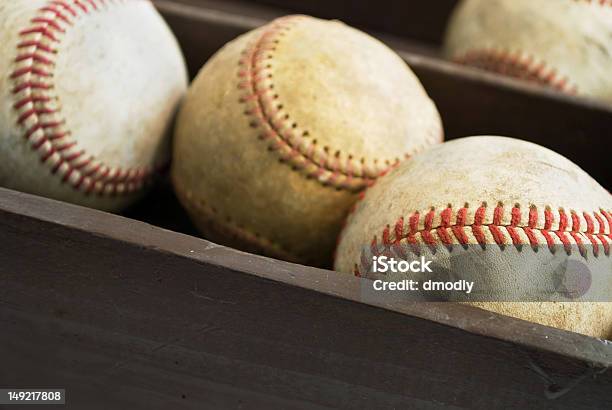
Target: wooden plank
(134, 313)
(472, 102)
(424, 21)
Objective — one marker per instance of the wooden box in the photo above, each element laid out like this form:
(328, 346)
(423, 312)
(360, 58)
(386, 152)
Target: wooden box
(137, 312)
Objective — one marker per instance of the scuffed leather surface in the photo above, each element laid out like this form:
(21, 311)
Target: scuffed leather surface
(348, 90)
(119, 75)
(573, 37)
(494, 170)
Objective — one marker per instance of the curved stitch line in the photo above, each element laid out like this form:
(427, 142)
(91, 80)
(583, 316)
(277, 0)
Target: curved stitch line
(295, 147)
(211, 214)
(351, 211)
(503, 234)
(39, 114)
(521, 64)
(518, 65)
(603, 3)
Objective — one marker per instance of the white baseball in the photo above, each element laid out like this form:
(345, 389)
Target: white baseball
(88, 89)
(508, 214)
(563, 44)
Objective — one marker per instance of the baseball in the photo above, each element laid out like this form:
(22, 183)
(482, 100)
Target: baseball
(285, 125)
(511, 215)
(88, 92)
(562, 44)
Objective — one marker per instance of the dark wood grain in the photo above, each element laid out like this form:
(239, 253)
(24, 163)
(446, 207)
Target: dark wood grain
(123, 312)
(424, 21)
(126, 314)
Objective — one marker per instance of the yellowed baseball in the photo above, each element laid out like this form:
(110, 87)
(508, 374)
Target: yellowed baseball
(563, 44)
(88, 90)
(505, 212)
(285, 125)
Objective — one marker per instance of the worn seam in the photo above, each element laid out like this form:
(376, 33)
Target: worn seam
(39, 113)
(294, 145)
(436, 228)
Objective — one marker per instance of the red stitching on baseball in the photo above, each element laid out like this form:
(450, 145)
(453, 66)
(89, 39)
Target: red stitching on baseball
(58, 14)
(284, 136)
(521, 65)
(439, 230)
(40, 30)
(518, 65)
(596, 2)
(36, 57)
(39, 46)
(38, 113)
(29, 70)
(234, 229)
(49, 22)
